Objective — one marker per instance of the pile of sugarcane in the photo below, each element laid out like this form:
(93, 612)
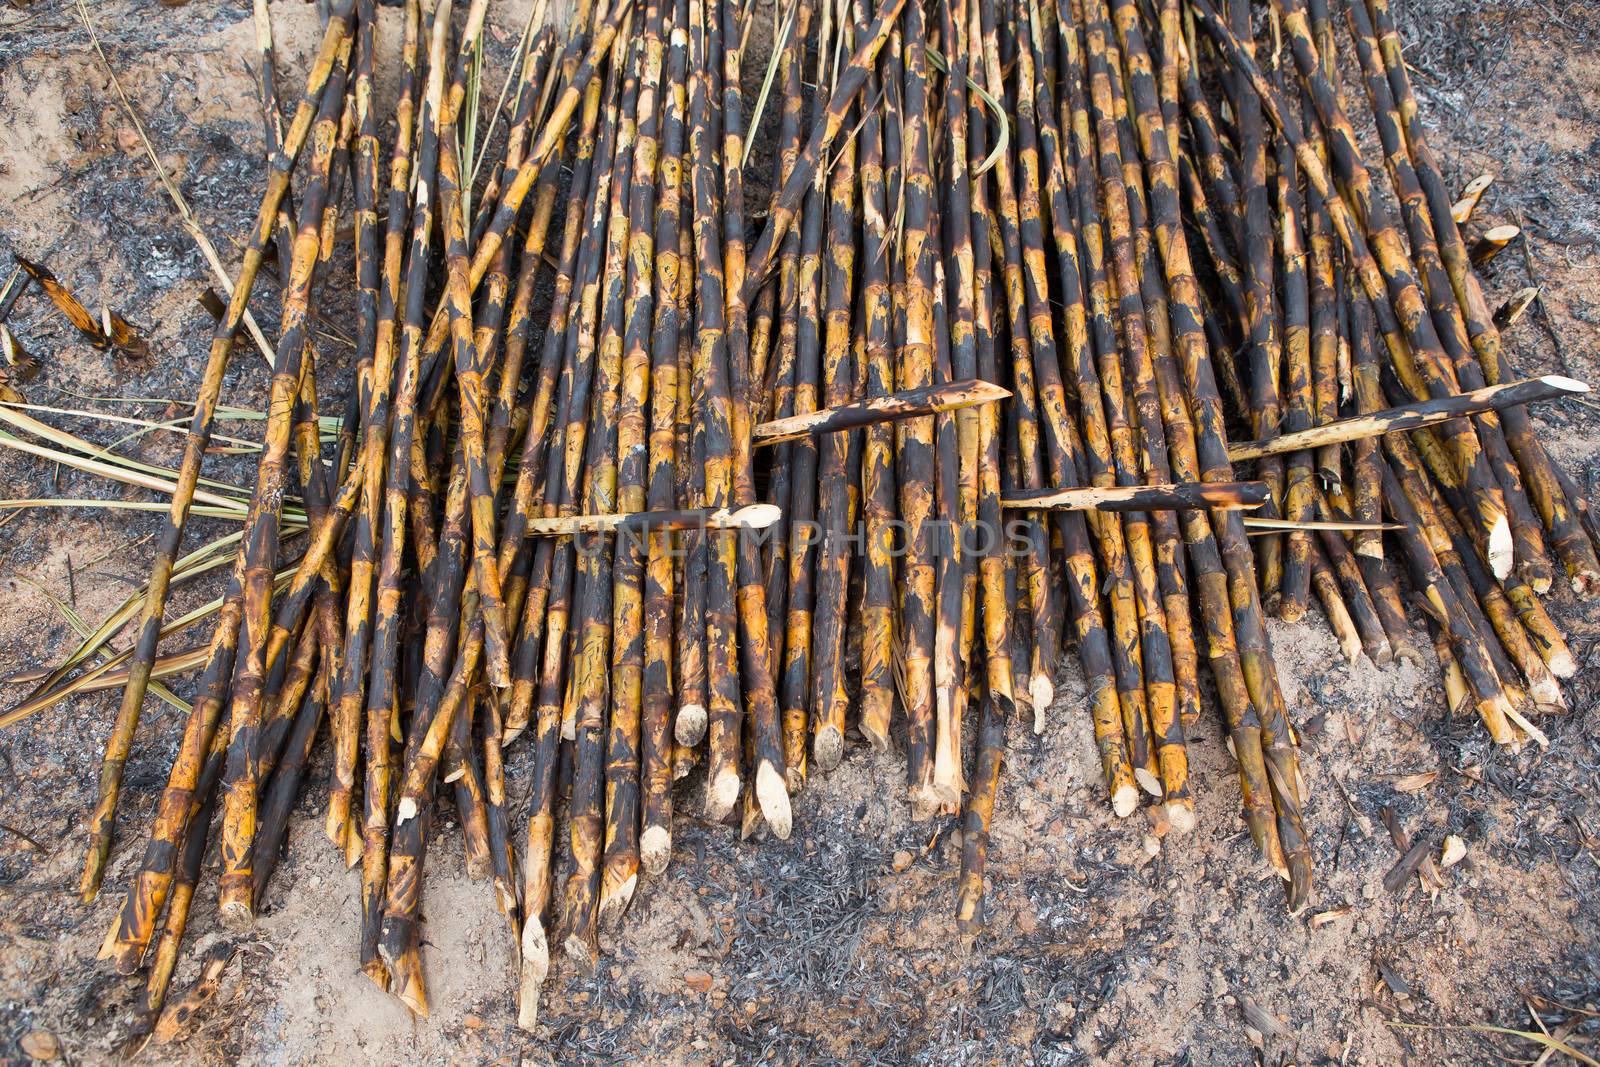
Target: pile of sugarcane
(662, 485)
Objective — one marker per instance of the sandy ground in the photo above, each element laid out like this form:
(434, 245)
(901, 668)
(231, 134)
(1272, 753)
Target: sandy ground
(1105, 943)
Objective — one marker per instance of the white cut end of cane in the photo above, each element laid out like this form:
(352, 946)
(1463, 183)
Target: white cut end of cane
(755, 516)
(690, 726)
(615, 904)
(1561, 663)
(353, 847)
(1500, 551)
(1181, 815)
(773, 797)
(1565, 384)
(655, 849)
(1546, 692)
(1351, 647)
(828, 748)
(722, 794)
(1042, 693)
(1147, 781)
(237, 916)
(454, 774)
(510, 734)
(1124, 799)
(406, 809)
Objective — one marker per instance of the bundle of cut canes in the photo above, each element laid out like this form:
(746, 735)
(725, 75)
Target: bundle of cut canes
(703, 501)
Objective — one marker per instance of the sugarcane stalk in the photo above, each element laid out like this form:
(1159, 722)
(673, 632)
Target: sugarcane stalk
(1240, 651)
(1414, 415)
(1542, 478)
(260, 544)
(1167, 497)
(195, 443)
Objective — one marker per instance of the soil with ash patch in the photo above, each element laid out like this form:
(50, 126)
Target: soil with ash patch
(1106, 943)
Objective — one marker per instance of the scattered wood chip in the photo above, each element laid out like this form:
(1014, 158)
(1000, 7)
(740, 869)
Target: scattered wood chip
(1323, 918)
(1416, 857)
(1455, 850)
(1407, 865)
(1507, 314)
(1462, 210)
(41, 1046)
(1396, 984)
(65, 302)
(21, 366)
(1259, 1019)
(1415, 783)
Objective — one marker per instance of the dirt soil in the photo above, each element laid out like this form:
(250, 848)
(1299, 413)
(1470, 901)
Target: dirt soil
(1105, 943)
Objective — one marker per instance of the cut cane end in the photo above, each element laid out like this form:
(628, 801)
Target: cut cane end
(413, 997)
(1180, 813)
(691, 725)
(1586, 584)
(535, 968)
(925, 802)
(828, 748)
(378, 972)
(510, 734)
(1147, 781)
(407, 809)
(773, 797)
(1124, 800)
(579, 951)
(1501, 554)
(655, 849)
(1383, 654)
(721, 795)
(615, 904)
(505, 898)
(334, 828)
(876, 737)
(1565, 384)
(237, 916)
(1546, 693)
(1351, 647)
(1561, 664)
(1042, 693)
